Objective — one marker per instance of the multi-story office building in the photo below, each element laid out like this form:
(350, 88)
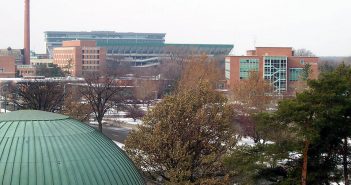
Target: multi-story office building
(139, 49)
(278, 65)
(80, 57)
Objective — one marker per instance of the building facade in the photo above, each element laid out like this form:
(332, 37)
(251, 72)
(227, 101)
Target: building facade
(137, 49)
(7, 67)
(277, 65)
(54, 39)
(26, 70)
(17, 53)
(80, 57)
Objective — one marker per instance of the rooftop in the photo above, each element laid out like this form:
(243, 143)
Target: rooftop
(39, 148)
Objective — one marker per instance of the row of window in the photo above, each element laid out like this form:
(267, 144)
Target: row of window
(90, 67)
(247, 66)
(90, 56)
(91, 51)
(90, 62)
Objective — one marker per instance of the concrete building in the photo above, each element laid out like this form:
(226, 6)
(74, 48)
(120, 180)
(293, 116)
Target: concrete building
(80, 57)
(7, 67)
(42, 62)
(26, 70)
(138, 49)
(278, 65)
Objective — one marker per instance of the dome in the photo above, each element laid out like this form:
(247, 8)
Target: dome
(42, 148)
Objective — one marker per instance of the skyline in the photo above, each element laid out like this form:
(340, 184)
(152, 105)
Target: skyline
(322, 29)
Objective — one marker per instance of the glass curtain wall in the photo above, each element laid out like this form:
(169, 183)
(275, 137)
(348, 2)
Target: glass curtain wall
(275, 70)
(247, 66)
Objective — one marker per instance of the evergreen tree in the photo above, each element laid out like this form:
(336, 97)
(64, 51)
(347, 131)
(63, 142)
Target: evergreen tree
(321, 116)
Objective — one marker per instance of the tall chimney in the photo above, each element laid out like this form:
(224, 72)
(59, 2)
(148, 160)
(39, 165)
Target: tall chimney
(26, 32)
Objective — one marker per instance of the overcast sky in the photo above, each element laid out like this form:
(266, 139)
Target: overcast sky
(322, 26)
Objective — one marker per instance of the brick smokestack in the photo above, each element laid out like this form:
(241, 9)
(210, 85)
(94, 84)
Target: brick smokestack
(26, 32)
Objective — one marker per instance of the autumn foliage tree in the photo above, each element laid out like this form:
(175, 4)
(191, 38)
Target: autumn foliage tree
(184, 138)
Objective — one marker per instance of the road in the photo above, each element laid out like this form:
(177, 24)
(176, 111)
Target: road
(118, 134)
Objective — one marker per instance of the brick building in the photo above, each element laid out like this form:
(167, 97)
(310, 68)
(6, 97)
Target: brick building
(80, 57)
(17, 53)
(278, 65)
(7, 67)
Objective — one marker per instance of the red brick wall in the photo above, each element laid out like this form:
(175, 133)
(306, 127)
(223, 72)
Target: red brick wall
(7, 64)
(78, 43)
(274, 51)
(293, 62)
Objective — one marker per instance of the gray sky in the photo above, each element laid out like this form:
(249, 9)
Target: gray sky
(322, 26)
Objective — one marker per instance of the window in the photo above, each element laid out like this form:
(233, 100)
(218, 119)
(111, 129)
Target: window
(247, 66)
(294, 74)
(302, 61)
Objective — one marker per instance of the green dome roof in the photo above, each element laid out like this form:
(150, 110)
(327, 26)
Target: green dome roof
(41, 148)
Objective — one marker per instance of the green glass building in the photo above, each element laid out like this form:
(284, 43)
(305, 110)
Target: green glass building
(41, 148)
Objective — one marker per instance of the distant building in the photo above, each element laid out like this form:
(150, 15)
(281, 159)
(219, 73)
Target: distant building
(26, 70)
(80, 57)
(7, 67)
(42, 62)
(275, 64)
(138, 49)
(54, 39)
(17, 53)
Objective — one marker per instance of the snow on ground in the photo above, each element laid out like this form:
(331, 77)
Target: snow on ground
(246, 141)
(121, 145)
(130, 121)
(3, 111)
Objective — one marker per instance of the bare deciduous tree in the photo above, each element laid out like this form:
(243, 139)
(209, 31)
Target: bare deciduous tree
(200, 68)
(39, 95)
(146, 90)
(74, 106)
(99, 92)
(303, 53)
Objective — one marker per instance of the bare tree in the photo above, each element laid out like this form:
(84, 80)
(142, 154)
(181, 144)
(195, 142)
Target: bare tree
(39, 95)
(135, 112)
(253, 93)
(99, 92)
(146, 90)
(303, 53)
(74, 106)
(200, 68)
(249, 97)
